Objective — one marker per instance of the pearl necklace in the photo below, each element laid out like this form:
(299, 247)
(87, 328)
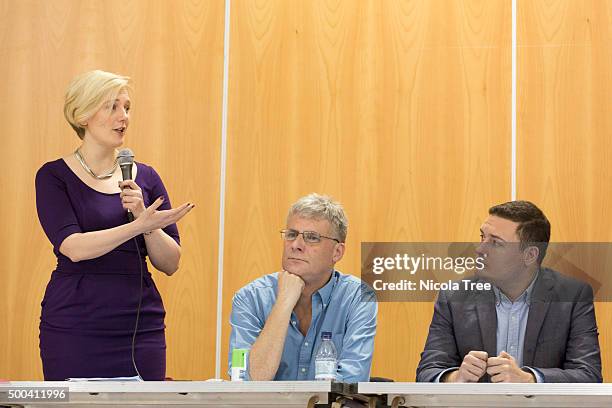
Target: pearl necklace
(81, 160)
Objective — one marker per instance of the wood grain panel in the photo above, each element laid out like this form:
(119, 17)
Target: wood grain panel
(564, 123)
(400, 110)
(174, 53)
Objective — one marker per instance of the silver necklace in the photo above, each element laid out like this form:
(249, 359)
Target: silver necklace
(81, 160)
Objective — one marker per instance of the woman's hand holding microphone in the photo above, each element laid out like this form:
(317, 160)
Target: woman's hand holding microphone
(149, 218)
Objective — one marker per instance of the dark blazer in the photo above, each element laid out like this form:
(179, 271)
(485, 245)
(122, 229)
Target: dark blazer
(560, 339)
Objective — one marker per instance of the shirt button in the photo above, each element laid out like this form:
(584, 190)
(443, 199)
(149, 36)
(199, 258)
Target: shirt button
(306, 344)
(303, 370)
(293, 322)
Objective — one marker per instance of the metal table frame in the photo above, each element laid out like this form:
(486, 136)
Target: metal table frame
(182, 393)
(490, 395)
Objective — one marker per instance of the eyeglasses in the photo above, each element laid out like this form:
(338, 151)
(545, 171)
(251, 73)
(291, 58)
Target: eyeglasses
(310, 237)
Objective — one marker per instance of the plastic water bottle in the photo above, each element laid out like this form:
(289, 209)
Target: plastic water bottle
(326, 359)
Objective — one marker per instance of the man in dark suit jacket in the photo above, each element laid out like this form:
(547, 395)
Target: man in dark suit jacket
(536, 325)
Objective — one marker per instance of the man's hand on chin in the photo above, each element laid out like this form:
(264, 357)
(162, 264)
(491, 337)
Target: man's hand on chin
(290, 288)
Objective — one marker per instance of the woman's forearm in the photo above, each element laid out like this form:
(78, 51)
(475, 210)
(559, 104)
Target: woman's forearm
(163, 251)
(89, 245)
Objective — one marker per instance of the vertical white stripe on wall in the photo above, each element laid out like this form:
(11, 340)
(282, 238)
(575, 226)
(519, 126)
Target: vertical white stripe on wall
(513, 160)
(226, 44)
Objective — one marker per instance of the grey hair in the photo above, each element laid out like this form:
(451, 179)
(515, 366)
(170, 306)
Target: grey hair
(322, 207)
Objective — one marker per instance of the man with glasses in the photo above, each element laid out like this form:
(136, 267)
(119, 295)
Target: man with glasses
(280, 317)
(536, 325)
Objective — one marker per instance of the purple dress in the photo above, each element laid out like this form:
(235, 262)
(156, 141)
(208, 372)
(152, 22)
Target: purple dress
(89, 307)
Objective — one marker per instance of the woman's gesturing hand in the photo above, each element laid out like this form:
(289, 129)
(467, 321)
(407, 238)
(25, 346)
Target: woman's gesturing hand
(151, 218)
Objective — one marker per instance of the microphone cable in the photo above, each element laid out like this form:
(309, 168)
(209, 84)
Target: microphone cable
(125, 158)
(137, 310)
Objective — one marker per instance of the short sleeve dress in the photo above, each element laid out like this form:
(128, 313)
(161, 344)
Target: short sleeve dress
(89, 308)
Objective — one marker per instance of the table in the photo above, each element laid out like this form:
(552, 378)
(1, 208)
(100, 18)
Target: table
(181, 393)
(308, 393)
(490, 395)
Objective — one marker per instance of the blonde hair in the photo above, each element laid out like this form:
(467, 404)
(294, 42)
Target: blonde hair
(87, 93)
(322, 207)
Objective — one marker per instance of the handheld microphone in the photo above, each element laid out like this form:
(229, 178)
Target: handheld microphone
(125, 158)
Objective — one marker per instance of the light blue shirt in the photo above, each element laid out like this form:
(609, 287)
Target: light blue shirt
(344, 306)
(512, 325)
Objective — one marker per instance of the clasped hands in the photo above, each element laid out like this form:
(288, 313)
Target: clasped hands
(502, 369)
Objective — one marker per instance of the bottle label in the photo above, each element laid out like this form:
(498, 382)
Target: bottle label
(239, 364)
(325, 370)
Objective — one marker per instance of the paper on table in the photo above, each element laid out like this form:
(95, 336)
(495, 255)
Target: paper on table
(135, 378)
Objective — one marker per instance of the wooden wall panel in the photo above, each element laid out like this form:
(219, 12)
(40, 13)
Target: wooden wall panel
(400, 110)
(564, 123)
(174, 53)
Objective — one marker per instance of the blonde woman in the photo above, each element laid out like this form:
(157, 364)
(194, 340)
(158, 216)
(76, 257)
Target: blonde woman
(89, 308)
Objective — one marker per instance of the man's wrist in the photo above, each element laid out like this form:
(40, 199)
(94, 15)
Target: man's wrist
(284, 305)
(449, 376)
(529, 376)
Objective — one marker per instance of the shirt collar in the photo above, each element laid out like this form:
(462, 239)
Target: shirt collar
(326, 291)
(500, 297)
